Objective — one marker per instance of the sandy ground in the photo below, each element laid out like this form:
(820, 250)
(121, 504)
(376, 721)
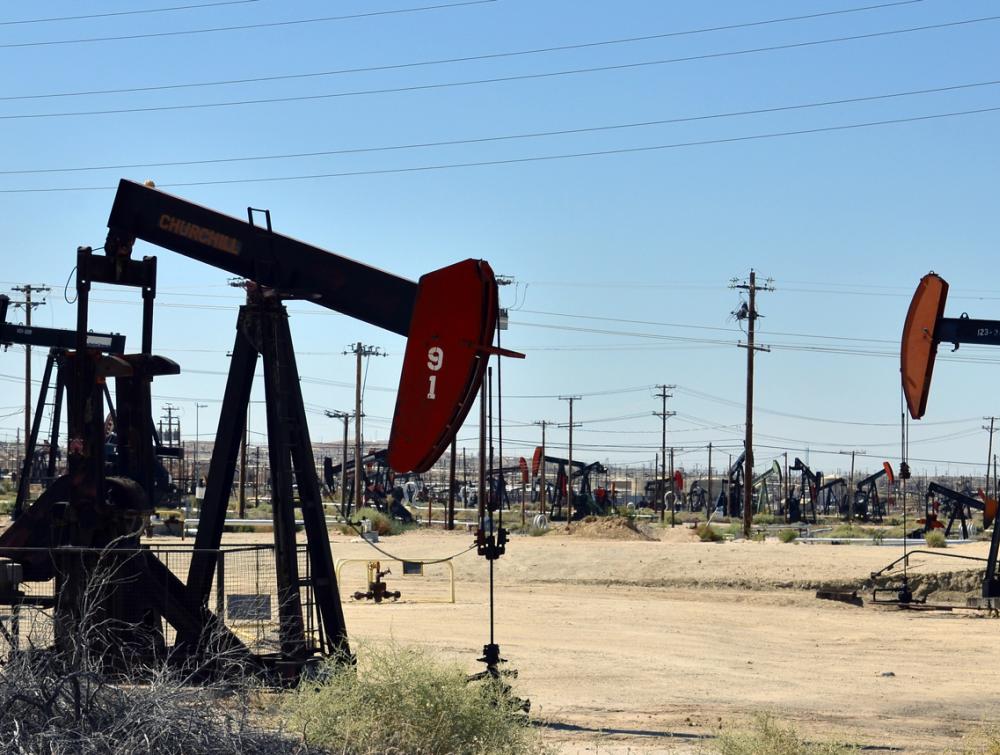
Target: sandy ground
(649, 646)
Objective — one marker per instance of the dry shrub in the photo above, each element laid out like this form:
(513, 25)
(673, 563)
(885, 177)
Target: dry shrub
(936, 539)
(787, 535)
(983, 741)
(68, 701)
(707, 533)
(403, 701)
(765, 736)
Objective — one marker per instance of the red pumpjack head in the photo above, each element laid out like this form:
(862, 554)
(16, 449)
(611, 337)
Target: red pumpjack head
(447, 352)
(919, 346)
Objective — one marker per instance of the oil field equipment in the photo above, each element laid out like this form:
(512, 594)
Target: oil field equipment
(584, 503)
(762, 495)
(957, 504)
(378, 590)
(59, 342)
(731, 496)
(811, 482)
(868, 504)
(925, 327)
(85, 517)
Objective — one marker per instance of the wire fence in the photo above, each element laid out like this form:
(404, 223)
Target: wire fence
(243, 594)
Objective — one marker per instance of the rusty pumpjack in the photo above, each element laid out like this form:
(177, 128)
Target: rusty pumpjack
(59, 342)
(449, 319)
(40, 464)
(958, 503)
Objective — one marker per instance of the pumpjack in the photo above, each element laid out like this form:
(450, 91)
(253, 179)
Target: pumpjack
(449, 319)
(924, 328)
(59, 342)
(762, 497)
(811, 482)
(731, 496)
(584, 503)
(867, 502)
(958, 503)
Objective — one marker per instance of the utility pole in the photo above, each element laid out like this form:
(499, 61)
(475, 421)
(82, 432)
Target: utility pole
(850, 487)
(663, 414)
(784, 506)
(345, 417)
(748, 312)
(541, 465)
(989, 455)
(569, 473)
(710, 502)
(197, 440)
(28, 289)
(360, 351)
(171, 435)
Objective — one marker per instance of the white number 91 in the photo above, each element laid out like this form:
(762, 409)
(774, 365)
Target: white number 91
(435, 360)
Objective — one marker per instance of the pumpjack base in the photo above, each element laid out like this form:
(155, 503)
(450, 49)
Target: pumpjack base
(491, 657)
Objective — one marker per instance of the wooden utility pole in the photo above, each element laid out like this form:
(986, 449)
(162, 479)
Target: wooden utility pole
(28, 289)
(663, 414)
(541, 467)
(569, 471)
(748, 312)
(360, 351)
(850, 486)
(345, 418)
(989, 455)
(450, 515)
(785, 504)
(709, 505)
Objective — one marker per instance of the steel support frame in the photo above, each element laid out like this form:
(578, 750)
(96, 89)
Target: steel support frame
(262, 331)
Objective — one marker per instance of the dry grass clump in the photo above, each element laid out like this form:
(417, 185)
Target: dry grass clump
(402, 700)
(49, 708)
(707, 533)
(107, 688)
(787, 535)
(984, 741)
(936, 539)
(765, 736)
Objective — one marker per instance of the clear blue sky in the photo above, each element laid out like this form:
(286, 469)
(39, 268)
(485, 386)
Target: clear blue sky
(621, 260)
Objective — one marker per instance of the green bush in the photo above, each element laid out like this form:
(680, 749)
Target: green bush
(765, 736)
(403, 700)
(764, 518)
(848, 530)
(787, 535)
(707, 533)
(381, 523)
(936, 539)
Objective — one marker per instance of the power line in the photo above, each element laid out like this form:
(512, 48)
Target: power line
(511, 137)
(244, 27)
(491, 80)
(137, 12)
(444, 61)
(532, 159)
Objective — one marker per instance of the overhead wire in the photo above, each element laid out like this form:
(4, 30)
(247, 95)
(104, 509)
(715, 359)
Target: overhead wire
(489, 80)
(459, 59)
(510, 137)
(244, 27)
(531, 159)
(133, 12)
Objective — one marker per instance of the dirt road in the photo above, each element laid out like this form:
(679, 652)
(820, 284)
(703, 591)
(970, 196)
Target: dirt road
(650, 645)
